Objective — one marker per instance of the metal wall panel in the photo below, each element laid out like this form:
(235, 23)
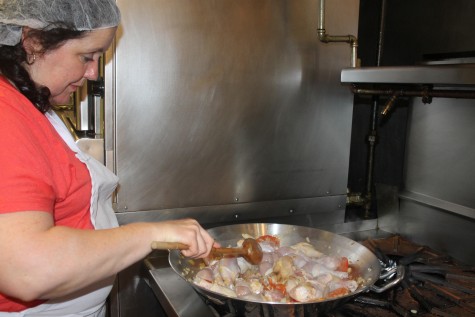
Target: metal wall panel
(225, 102)
(441, 225)
(440, 155)
(437, 205)
(444, 231)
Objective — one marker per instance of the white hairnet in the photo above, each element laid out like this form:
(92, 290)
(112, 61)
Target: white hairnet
(38, 14)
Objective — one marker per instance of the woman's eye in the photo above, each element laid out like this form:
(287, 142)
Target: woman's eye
(87, 58)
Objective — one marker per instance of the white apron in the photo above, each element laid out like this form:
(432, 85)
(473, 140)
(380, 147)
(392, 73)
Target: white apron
(91, 301)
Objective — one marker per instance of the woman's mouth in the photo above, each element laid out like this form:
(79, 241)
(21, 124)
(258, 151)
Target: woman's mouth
(75, 87)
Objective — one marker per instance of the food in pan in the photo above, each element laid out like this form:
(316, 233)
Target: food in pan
(287, 274)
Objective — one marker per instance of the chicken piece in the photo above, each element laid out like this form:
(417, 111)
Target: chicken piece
(274, 296)
(202, 282)
(305, 292)
(244, 266)
(316, 269)
(246, 287)
(265, 268)
(351, 285)
(283, 269)
(291, 283)
(307, 249)
(256, 286)
(206, 274)
(254, 297)
(322, 288)
(270, 241)
(268, 246)
(285, 251)
(222, 290)
(228, 270)
(242, 287)
(331, 262)
(268, 257)
(251, 273)
(300, 260)
(324, 278)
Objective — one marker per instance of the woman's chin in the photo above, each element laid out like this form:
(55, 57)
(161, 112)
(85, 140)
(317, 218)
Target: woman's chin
(61, 100)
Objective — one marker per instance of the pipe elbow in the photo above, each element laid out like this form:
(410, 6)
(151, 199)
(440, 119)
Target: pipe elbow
(322, 36)
(353, 40)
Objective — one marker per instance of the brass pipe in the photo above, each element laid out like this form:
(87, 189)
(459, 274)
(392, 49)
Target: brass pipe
(390, 104)
(325, 38)
(426, 94)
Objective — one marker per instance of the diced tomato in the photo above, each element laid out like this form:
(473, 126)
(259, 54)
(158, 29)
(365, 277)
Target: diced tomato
(277, 286)
(269, 238)
(343, 266)
(338, 292)
(280, 288)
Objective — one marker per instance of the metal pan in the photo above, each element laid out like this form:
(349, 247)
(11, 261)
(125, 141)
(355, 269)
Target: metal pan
(362, 259)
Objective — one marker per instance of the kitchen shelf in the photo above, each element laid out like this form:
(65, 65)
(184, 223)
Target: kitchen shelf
(437, 75)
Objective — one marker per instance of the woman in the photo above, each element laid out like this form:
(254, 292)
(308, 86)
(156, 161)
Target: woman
(60, 244)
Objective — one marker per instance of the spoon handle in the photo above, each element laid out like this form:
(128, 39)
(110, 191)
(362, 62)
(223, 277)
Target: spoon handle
(227, 251)
(160, 245)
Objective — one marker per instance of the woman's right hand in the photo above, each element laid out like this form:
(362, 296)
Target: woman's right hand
(189, 232)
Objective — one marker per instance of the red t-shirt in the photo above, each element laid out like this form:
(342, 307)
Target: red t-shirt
(39, 172)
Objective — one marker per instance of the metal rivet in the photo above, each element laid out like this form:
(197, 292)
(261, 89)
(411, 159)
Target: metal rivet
(291, 211)
(236, 199)
(236, 216)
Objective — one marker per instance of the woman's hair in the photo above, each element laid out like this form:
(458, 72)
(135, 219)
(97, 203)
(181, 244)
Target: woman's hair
(12, 59)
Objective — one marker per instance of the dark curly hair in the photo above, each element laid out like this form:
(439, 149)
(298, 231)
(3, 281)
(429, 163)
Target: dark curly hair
(12, 59)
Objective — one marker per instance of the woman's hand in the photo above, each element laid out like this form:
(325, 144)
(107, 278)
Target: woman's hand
(189, 232)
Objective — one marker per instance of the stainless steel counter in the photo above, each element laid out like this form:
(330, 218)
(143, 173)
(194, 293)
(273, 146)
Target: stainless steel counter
(175, 295)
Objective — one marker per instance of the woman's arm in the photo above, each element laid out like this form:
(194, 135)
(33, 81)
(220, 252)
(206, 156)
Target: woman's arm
(41, 261)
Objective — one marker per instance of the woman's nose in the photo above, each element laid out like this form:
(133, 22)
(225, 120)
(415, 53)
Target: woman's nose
(92, 71)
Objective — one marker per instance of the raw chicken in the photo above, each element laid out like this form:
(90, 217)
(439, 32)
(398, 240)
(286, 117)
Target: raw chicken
(296, 273)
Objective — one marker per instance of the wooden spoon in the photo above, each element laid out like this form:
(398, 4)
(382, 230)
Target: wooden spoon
(158, 245)
(251, 250)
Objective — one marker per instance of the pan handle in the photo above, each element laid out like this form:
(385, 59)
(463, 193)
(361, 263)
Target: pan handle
(400, 273)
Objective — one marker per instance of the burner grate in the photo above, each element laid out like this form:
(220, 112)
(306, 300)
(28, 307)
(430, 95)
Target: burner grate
(435, 284)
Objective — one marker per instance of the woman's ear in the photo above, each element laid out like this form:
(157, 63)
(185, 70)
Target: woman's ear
(29, 42)
(30, 45)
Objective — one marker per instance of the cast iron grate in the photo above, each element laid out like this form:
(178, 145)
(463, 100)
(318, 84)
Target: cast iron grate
(435, 285)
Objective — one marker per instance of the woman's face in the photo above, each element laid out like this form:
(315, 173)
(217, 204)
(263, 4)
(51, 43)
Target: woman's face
(66, 68)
